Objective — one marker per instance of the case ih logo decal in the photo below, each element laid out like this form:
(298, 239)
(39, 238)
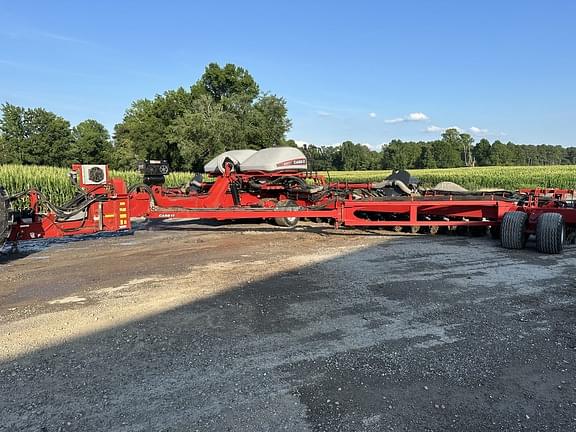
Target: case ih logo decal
(301, 161)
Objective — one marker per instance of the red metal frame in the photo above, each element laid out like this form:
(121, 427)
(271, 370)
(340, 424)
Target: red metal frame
(110, 214)
(546, 200)
(115, 206)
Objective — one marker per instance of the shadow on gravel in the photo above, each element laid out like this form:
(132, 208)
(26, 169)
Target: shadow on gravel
(254, 225)
(13, 251)
(406, 335)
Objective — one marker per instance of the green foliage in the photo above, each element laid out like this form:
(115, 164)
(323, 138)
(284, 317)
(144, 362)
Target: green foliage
(223, 110)
(356, 157)
(34, 136)
(145, 131)
(268, 122)
(401, 155)
(322, 158)
(482, 152)
(91, 143)
(204, 131)
(227, 82)
(500, 154)
(456, 149)
(347, 156)
(13, 133)
(446, 154)
(427, 158)
(5, 156)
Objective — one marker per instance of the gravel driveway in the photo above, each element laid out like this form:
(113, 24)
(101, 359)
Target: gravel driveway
(251, 328)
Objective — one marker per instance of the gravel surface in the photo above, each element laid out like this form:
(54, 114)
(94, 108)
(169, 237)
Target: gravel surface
(186, 327)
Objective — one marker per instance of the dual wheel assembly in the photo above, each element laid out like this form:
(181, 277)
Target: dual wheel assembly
(550, 231)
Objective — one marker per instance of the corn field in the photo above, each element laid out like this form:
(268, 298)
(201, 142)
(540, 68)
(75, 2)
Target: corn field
(504, 177)
(54, 182)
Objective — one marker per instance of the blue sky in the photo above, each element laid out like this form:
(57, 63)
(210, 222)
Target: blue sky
(364, 71)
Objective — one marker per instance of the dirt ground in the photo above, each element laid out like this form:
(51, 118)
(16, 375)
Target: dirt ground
(185, 327)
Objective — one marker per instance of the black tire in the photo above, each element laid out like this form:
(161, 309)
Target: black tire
(513, 230)
(4, 216)
(286, 222)
(550, 233)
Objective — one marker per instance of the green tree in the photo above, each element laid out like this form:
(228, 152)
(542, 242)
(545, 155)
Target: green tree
(455, 143)
(222, 111)
(356, 157)
(225, 82)
(500, 154)
(4, 151)
(289, 143)
(49, 138)
(571, 155)
(445, 155)
(12, 133)
(35, 136)
(482, 152)
(401, 155)
(144, 131)
(322, 158)
(204, 132)
(267, 122)
(91, 143)
(467, 143)
(427, 159)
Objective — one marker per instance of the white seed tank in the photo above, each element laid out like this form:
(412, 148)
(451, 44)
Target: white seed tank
(216, 165)
(267, 160)
(275, 159)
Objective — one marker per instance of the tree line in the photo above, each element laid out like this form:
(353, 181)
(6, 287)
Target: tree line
(225, 110)
(454, 149)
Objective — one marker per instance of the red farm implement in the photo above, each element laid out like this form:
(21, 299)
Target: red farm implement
(275, 185)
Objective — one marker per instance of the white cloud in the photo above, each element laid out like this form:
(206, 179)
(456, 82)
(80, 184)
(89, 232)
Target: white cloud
(394, 120)
(433, 129)
(478, 131)
(412, 117)
(324, 113)
(300, 143)
(370, 146)
(417, 116)
(436, 129)
(372, 115)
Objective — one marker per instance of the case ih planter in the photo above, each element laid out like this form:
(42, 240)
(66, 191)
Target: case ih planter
(275, 185)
